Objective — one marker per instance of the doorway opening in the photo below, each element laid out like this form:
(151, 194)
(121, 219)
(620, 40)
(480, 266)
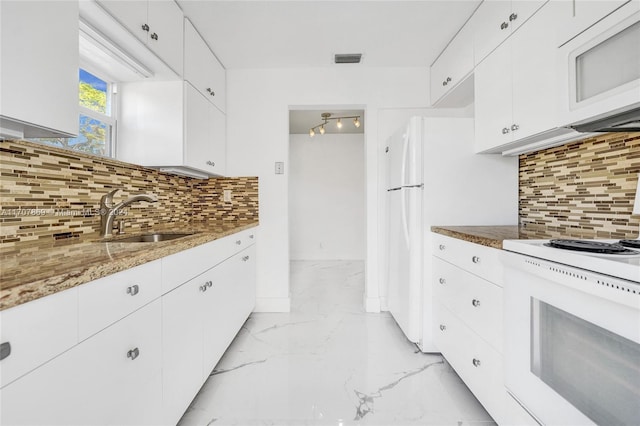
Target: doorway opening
(327, 204)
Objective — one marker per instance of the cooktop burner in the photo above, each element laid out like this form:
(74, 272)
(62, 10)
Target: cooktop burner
(590, 246)
(630, 243)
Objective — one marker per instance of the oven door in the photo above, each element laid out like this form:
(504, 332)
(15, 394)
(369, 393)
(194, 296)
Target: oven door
(572, 348)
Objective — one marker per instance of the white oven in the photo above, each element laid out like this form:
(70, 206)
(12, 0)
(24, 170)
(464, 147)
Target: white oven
(601, 67)
(572, 338)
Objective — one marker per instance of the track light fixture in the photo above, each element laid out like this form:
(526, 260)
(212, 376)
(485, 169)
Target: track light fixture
(326, 117)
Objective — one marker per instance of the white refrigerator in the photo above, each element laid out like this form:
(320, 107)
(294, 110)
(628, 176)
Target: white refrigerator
(435, 178)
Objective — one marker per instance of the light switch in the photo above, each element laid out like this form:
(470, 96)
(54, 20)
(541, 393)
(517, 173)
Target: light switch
(226, 196)
(279, 167)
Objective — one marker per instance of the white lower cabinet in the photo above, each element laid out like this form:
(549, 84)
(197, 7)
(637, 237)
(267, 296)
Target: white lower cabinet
(142, 355)
(199, 320)
(468, 321)
(113, 377)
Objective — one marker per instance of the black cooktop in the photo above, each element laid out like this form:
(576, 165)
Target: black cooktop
(590, 246)
(630, 243)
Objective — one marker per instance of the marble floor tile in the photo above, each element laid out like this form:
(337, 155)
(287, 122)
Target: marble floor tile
(328, 362)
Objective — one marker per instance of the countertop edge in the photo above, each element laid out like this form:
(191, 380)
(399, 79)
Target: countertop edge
(477, 235)
(23, 293)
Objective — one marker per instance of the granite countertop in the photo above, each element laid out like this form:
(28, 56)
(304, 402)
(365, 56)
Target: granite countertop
(493, 236)
(35, 270)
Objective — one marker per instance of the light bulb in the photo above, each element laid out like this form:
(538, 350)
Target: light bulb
(356, 122)
(312, 132)
(322, 130)
(339, 124)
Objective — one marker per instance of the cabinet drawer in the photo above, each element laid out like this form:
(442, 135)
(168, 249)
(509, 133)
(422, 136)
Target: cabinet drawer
(185, 265)
(479, 260)
(34, 332)
(107, 300)
(477, 364)
(478, 303)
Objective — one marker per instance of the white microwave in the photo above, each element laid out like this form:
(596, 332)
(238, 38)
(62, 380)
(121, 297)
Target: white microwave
(600, 68)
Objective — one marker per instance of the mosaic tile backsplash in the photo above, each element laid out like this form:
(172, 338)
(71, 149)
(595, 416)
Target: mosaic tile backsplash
(47, 192)
(583, 189)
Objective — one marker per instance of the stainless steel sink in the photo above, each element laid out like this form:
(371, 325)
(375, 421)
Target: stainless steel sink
(148, 238)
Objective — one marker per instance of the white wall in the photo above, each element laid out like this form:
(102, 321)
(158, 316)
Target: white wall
(326, 197)
(258, 103)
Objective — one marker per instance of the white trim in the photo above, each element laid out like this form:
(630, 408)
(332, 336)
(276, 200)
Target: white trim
(372, 304)
(272, 304)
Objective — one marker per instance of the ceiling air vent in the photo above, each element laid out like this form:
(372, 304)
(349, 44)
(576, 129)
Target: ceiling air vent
(348, 58)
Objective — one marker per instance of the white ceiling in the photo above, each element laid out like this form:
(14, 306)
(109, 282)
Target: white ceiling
(301, 121)
(307, 33)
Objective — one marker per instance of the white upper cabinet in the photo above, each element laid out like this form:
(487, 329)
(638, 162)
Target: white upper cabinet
(516, 85)
(495, 20)
(171, 126)
(453, 66)
(157, 23)
(202, 69)
(39, 99)
(581, 14)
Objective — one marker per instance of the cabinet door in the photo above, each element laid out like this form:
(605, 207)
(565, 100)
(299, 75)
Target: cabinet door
(534, 55)
(132, 14)
(198, 143)
(202, 69)
(228, 304)
(581, 14)
(491, 27)
(39, 100)
(454, 64)
(521, 10)
(218, 122)
(166, 33)
(493, 99)
(182, 329)
(98, 382)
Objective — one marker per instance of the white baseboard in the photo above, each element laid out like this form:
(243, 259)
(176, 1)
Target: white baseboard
(372, 304)
(273, 304)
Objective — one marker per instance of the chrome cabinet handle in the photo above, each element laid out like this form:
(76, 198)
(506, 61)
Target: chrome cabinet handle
(513, 17)
(443, 327)
(133, 353)
(211, 163)
(211, 92)
(475, 259)
(238, 242)
(476, 362)
(5, 350)
(505, 130)
(133, 290)
(444, 83)
(442, 281)
(447, 81)
(154, 36)
(514, 127)
(475, 302)
(244, 259)
(504, 26)
(441, 247)
(209, 284)
(145, 27)
(251, 236)
(203, 287)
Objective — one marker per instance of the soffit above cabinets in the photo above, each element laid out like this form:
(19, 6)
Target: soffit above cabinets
(308, 33)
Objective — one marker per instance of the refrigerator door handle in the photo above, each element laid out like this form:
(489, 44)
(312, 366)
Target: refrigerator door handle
(394, 189)
(405, 150)
(405, 224)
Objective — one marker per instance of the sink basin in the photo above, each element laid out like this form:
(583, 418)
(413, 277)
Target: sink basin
(148, 238)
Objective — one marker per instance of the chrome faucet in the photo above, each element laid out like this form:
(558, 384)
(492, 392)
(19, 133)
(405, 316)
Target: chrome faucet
(108, 210)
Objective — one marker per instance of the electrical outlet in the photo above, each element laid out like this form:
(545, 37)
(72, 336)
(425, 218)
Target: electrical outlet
(279, 168)
(226, 196)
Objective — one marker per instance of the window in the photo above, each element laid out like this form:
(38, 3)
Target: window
(96, 120)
